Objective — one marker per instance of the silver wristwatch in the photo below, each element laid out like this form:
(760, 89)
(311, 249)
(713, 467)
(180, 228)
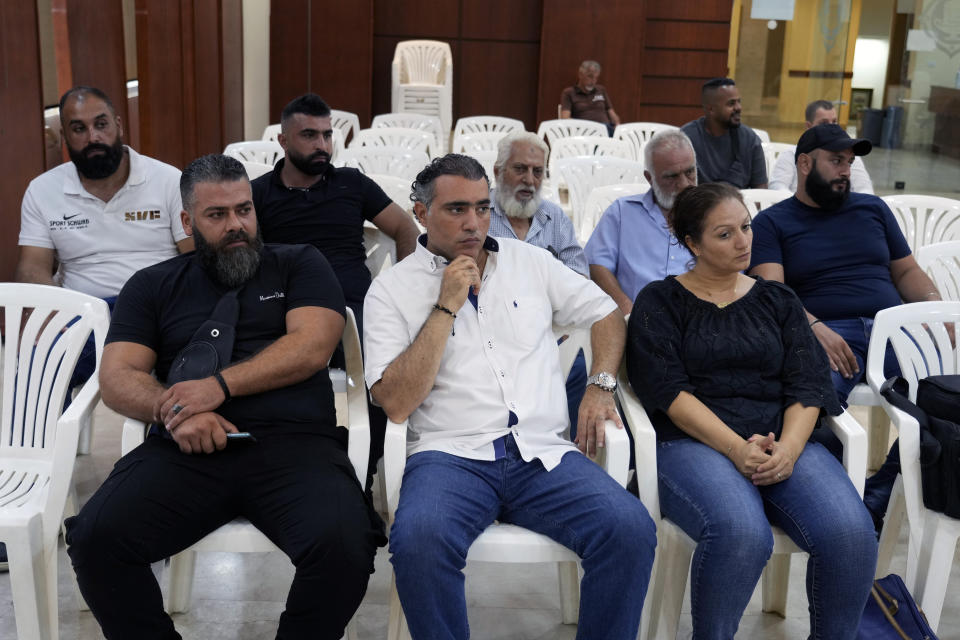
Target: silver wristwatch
(604, 380)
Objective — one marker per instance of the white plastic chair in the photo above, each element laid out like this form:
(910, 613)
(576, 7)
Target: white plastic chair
(762, 134)
(262, 151)
(941, 261)
(922, 345)
(553, 130)
(588, 147)
(926, 219)
(675, 548)
(409, 139)
(255, 169)
(599, 200)
(38, 445)
(418, 121)
(480, 141)
(484, 124)
(270, 132)
(422, 80)
(509, 543)
(772, 151)
(397, 188)
(487, 159)
(346, 123)
(759, 199)
(388, 161)
(582, 175)
(638, 134)
(239, 536)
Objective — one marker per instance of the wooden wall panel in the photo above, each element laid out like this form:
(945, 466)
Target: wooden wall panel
(609, 31)
(324, 47)
(232, 51)
(684, 63)
(677, 34)
(495, 79)
(21, 120)
(88, 40)
(417, 19)
(666, 91)
(502, 20)
(675, 115)
(693, 10)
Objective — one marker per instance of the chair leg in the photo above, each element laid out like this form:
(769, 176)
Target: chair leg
(182, 568)
(84, 444)
(69, 510)
(776, 577)
(380, 495)
(350, 633)
(569, 573)
(667, 584)
(33, 582)
(933, 568)
(892, 522)
(878, 434)
(397, 623)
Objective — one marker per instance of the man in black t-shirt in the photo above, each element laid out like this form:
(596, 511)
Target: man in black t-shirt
(305, 199)
(292, 480)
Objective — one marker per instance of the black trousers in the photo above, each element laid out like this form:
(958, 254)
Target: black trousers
(299, 490)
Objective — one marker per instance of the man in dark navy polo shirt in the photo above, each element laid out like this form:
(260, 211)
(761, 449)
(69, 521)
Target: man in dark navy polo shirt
(305, 199)
(294, 482)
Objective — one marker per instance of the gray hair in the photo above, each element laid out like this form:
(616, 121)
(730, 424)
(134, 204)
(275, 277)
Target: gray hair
(452, 164)
(505, 146)
(215, 168)
(664, 141)
(587, 65)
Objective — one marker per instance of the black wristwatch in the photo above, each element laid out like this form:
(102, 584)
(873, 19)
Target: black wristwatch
(604, 380)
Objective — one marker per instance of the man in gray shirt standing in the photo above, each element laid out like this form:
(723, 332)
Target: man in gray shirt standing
(727, 151)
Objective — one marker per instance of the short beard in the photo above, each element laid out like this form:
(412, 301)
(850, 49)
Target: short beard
(822, 192)
(664, 200)
(513, 208)
(97, 167)
(315, 164)
(230, 267)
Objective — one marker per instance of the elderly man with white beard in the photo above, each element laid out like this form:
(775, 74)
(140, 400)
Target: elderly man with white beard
(633, 245)
(519, 212)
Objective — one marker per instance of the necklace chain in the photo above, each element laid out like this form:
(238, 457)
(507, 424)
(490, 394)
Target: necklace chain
(710, 294)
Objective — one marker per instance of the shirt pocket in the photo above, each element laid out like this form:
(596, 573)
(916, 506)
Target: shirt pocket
(530, 317)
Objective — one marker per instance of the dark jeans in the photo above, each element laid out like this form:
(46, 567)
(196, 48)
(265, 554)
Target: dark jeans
(576, 387)
(297, 489)
(856, 333)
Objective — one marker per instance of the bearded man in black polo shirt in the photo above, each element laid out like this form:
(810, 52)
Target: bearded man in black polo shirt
(294, 482)
(305, 199)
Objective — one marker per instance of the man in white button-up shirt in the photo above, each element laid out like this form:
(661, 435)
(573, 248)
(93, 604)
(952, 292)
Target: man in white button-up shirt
(459, 341)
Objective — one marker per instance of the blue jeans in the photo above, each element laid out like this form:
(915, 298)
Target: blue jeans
(447, 501)
(817, 506)
(576, 388)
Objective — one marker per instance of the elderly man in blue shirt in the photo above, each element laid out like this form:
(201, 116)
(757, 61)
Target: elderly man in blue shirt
(632, 244)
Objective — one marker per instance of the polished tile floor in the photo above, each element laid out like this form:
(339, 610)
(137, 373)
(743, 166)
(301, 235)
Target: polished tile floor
(240, 596)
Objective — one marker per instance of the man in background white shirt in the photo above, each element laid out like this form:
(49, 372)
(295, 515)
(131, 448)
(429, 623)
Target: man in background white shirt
(784, 174)
(482, 388)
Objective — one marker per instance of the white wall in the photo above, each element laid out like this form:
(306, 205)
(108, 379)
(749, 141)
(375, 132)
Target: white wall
(870, 66)
(256, 68)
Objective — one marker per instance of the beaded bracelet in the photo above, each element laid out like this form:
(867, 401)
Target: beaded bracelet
(440, 307)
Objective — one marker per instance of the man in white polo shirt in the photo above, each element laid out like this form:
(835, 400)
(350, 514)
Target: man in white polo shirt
(105, 215)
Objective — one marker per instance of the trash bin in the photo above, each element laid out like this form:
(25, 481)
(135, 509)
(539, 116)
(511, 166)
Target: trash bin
(871, 125)
(890, 137)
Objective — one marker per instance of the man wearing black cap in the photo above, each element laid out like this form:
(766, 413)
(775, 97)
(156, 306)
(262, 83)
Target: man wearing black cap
(843, 254)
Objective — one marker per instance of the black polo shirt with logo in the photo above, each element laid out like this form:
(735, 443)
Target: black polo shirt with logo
(162, 306)
(587, 105)
(329, 215)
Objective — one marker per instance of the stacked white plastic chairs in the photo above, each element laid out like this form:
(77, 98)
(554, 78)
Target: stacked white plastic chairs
(422, 80)
(638, 134)
(417, 121)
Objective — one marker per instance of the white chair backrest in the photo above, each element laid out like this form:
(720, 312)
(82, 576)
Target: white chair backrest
(552, 130)
(347, 123)
(262, 151)
(941, 261)
(759, 199)
(588, 146)
(484, 124)
(638, 134)
(255, 169)
(582, 175)
(386, 160)
(409, 139)
(397, 188)
(762, 134)
(599, 201)
(479, 141)
(487, 158)
(271, 132)
(772, 151)
(423, 62)
(926, 219)
(417, 121)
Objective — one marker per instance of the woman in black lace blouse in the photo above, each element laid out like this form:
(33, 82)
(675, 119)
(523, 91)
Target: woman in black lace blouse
(734, 382)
